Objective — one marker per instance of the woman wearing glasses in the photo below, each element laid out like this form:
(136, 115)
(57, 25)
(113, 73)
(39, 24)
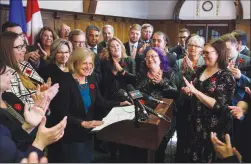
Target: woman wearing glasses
(187, 67)
(157, 82)
(210, 94)
(60, 52)
(24, 78)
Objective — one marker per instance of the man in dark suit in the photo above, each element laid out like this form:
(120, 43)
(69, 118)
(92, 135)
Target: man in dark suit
(92, 37)
(237, 61)
(146, 34)
(132, 46)
(180, 48)
(77, 38)
(108, 33)
(242, 39)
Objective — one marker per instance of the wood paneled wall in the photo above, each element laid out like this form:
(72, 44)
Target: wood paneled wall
(121, 25)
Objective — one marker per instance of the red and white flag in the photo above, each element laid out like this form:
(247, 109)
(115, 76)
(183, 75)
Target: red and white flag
(33, 19)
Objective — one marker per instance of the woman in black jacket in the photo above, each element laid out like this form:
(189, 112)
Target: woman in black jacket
(118, 70)
(78, 99)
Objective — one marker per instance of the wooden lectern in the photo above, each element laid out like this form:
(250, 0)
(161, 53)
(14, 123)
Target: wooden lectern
(148, 135)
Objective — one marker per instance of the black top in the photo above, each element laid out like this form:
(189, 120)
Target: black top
(53, 72)
(180, 51)
(68, 102)
(112, 83)
(9, 152)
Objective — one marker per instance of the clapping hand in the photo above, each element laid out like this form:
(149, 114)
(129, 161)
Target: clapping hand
(189, 89)
(34, 115)
(248, 91)
(236, 111)
(46, 136)
(33, 158)
(46, 85)
(157, 78)
(117, 66)
(186, 64)
(43, 51)
(124, 103)
(91, 124)
(224, 150)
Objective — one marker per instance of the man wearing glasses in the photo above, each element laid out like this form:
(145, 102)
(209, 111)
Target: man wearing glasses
(180, 48)
(77, 38)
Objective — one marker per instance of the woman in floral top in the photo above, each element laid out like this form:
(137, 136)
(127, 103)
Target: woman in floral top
(211, 91)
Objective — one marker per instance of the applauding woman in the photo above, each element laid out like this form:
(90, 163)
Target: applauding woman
(211, 91)
(20, 126)
(78, 99)
(118, 70)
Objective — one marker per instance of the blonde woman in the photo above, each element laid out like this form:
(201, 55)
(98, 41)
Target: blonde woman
(78, 99)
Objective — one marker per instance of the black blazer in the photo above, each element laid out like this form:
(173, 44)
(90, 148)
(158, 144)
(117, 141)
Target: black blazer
(68, 102)
(53, 72)
(112, 83)
(180, 51)
(9, 152)
(127, 47)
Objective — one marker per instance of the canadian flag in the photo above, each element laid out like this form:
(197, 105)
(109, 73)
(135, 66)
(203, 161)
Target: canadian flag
(33, 19)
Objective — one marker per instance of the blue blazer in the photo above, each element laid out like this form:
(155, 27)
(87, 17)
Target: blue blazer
(9, 152)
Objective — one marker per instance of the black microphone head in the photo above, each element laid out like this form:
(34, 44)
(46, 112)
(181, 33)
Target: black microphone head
(145, 96)
(122, 93)
(129, 87)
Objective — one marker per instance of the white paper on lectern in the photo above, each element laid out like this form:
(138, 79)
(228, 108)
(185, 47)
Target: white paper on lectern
(117, 114)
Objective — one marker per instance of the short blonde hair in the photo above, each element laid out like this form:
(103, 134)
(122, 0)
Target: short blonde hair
(77, 57)
(108, 54)
(135, 27)
(56, 47)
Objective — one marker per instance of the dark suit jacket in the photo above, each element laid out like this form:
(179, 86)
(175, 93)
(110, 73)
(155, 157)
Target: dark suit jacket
(127, 47)
(101, 45)
(179, 51)
(68, 102)
(9, 152)
(53, 72)
(112, 83)
(246, 52)
(244, 80)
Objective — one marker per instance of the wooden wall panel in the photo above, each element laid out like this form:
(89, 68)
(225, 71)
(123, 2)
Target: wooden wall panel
(121, 25)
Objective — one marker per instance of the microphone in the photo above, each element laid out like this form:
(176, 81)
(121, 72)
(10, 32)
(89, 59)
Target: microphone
(135, 95)
(148, 97)
(150, 110)
(123, 94)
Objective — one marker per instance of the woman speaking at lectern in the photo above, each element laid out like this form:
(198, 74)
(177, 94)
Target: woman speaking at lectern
(79, 99)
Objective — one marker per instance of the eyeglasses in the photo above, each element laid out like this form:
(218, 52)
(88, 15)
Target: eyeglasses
(79, 42)
(151, 56)
(20, 47)
(193, 45)
(207, 52)
(63, 52)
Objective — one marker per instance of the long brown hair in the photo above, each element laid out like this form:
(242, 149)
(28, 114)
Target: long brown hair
(7, 55)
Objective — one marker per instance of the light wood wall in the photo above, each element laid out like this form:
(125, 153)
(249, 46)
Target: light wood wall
(121, 25)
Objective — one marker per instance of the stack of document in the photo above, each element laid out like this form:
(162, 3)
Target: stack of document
(117, 114)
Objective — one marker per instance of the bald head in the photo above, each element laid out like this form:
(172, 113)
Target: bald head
(64, 31)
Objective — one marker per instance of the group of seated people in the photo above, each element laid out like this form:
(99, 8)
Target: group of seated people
(55, 91)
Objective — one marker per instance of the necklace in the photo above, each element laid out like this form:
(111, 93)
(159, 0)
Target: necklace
(81, 86)
(64, 69)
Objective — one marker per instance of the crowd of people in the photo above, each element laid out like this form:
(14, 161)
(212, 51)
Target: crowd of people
(54, 92)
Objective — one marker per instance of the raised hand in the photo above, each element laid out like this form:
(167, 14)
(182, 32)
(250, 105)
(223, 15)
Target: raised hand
(124, 103)
(117, 66)
(46, 136)
(43, 51)
(224, 150)
(236, 111)
(157, 78)
(34, 115)
(189, 89)
(91, 124)
(247, 89)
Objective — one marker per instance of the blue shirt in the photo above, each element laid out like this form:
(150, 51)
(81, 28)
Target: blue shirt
(85, 94)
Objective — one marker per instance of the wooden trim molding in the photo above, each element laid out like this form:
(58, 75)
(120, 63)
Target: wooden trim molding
(239, 9)
(177, 8)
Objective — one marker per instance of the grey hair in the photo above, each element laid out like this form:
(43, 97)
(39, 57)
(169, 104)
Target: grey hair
(199, 40)
(108, 26)
(56, 46)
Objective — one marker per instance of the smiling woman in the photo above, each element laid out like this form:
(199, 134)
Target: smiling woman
(78, 99)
